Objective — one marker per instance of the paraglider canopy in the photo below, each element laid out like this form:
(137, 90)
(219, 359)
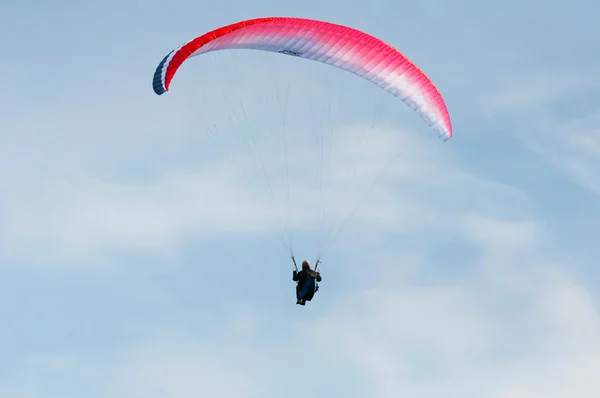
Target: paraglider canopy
(343, 47)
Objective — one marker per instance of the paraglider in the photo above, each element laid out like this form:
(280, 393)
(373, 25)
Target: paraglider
(306, 279)
(340, 46)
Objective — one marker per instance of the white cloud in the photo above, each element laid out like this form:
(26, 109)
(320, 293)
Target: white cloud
(473, 337)
(422, 190)
(70, 215)
(500, 330)
(501, 234)
(163, 364)
(553, 116)
(479, 337)
(573, 147)
(83, 216)
(536, 89)
(180, 366)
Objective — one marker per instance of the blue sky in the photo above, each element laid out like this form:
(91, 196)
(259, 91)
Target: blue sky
(135, 262)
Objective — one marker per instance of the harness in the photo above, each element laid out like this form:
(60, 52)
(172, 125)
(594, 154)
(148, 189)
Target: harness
(307, 284)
